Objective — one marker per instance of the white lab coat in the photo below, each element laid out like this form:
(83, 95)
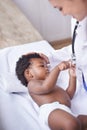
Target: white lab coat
(79, 101)
(81, 49)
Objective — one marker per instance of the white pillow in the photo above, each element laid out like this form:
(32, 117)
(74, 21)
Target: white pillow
(8, 58)
(10, 83)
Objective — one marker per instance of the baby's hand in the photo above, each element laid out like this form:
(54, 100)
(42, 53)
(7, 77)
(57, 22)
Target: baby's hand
(72, 71)
(64, 65)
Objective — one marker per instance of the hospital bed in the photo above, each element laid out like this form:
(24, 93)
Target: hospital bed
(17, 109)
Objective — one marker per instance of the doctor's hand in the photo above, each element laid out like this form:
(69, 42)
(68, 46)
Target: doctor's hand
(42, 55)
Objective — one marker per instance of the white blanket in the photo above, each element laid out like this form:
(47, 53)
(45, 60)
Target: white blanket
(17, 109)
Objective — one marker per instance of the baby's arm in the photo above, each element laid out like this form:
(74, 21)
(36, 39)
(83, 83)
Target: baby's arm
(47, 85)
(72, 82)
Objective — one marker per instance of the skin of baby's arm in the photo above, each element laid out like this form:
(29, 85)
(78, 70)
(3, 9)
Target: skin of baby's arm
(72, 82)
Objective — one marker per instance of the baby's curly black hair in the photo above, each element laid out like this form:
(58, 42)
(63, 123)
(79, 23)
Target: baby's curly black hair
(22, 64)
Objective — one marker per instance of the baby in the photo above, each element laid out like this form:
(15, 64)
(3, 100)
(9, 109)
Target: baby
(54, 102)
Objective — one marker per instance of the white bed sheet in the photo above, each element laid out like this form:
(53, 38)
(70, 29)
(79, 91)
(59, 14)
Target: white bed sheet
(17, 109)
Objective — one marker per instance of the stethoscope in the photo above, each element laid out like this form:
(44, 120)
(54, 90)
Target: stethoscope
(73, 56)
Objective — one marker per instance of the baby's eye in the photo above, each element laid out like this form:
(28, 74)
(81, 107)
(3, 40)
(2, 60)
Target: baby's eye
(42, 65)
(60, 8)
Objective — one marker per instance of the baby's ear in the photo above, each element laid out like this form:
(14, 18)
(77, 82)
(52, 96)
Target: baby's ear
(27, 74)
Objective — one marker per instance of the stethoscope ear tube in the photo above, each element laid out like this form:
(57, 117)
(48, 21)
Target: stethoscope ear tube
(73, 57)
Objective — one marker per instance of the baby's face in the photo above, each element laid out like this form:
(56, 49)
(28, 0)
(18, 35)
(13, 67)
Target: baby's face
(39, 68)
